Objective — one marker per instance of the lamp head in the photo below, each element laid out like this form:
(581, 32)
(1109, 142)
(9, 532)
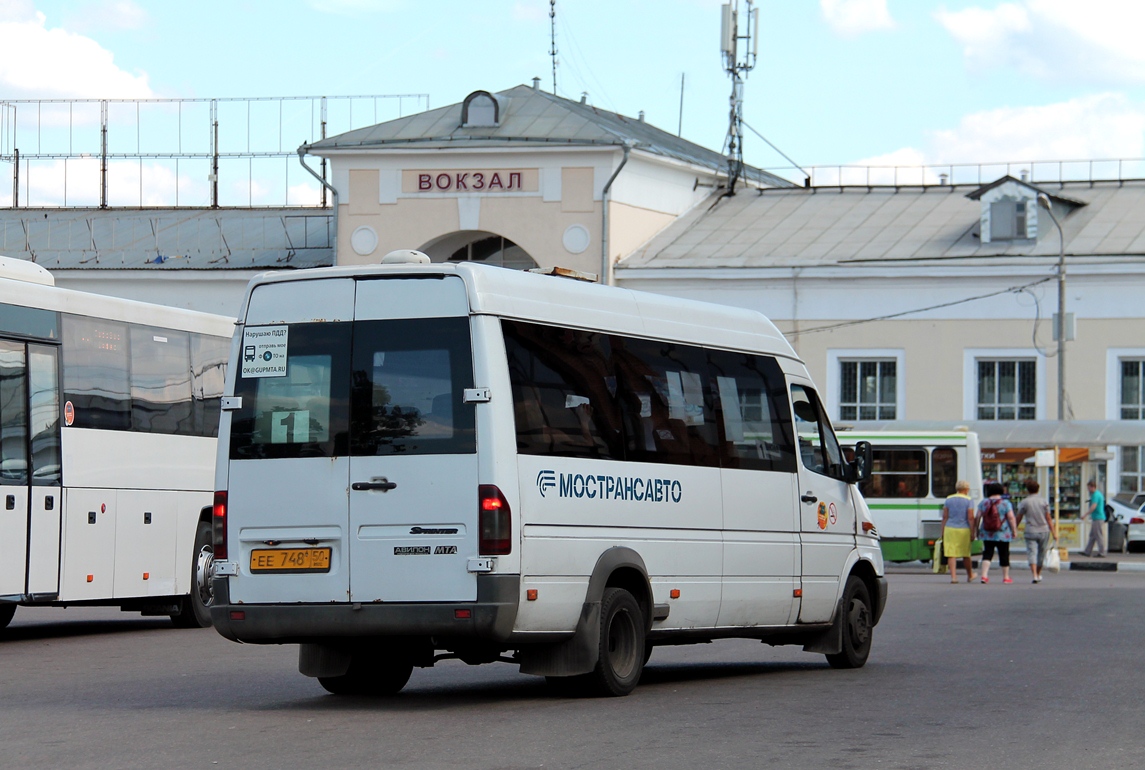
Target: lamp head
(1044, 201)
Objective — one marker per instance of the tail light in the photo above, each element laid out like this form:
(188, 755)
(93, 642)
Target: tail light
(1137, 520)
(494, 522)
(219, 525)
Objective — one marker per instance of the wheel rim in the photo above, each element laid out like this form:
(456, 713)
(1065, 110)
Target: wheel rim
(204, 560)
(622, 645)
(859, 621)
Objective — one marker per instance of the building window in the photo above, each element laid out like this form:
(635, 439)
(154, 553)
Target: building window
(867, 390)
(1132, 477)
(1007, 220)
(1007, 390)
(494, 250)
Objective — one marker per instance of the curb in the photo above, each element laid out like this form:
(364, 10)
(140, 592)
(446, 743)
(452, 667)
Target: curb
(1106, 566)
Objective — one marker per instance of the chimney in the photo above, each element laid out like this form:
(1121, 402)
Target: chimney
(942, 179)
(640, 116)
(536, 84)
(584, 97)
(1025, 175)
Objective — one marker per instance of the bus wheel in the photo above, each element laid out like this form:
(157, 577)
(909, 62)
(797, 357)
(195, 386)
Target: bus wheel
(384, 677)
(195, 611)
(857, 626)
(621, 645)
(6, 613)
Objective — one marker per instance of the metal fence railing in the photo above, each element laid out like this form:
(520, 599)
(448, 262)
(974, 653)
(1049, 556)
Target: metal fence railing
(1037, 172)
(110, 153)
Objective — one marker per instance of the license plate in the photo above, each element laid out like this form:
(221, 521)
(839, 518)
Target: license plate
(290, 560)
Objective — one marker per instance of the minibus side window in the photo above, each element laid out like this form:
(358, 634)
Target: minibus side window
(408, 388)
(818, 446)
(755, 420)
(564, 392)
(303, 413)
(669, 415)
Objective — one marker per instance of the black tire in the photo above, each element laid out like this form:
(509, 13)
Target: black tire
(858, 626)
(7, 610)
(621, 660)
(195, 608)
(370, 677)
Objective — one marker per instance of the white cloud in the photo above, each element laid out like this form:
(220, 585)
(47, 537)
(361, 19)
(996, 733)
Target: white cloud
(1095, 126)
(850, 18)
(39, 62)
(107, 14)
(1054, 39)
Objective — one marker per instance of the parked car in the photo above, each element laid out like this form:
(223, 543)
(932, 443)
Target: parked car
(1128, 524)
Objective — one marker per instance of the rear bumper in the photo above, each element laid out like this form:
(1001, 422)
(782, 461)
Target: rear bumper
(491, 617)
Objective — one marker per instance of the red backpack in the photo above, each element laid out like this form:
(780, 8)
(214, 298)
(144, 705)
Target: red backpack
(991, 519)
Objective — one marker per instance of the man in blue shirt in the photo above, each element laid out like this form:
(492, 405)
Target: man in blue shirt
(1097, 522)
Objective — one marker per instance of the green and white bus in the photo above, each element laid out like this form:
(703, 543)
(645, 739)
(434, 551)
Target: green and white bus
(913, 473)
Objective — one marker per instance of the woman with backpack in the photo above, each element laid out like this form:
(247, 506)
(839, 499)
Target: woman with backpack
(996, 528)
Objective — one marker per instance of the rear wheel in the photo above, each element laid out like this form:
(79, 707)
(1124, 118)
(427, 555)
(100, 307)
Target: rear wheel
(857, 626)
(6, 613)
(370, 677)
(195, 611)
(622, 649)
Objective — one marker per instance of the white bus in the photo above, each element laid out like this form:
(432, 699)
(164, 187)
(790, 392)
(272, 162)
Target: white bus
(912, 474)
(108, 416)
(423, 461)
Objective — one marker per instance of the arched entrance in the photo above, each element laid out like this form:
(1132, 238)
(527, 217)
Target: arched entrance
(479, 246)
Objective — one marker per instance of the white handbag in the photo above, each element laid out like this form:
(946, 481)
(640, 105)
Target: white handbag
(1053, 561)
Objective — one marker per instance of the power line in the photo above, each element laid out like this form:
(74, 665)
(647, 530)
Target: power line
(844, 324)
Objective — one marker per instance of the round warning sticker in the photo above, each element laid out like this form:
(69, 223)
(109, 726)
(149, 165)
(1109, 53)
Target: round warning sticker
(69, 413)
(833, 515)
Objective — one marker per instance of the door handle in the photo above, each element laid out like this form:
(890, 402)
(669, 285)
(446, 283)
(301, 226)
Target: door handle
(809, 498)
(382, 485)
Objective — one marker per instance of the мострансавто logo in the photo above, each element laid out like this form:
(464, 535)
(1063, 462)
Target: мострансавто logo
(602, 487)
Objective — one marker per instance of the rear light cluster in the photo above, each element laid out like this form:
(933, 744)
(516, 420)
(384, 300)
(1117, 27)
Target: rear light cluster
(1137, 520)
(219, 525)
(494, 522)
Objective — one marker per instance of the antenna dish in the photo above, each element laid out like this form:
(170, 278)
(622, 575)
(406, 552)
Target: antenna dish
(405, 257)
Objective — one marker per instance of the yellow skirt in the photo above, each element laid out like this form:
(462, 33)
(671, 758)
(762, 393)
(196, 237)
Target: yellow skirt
(955, 542)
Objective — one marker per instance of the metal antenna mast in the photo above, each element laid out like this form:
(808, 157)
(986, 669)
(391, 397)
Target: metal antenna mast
(553, 38)
(737, 68)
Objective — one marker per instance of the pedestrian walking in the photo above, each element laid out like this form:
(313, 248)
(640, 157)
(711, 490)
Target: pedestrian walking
(957, 524)
(996, 527)
(1035, 511)
(1097, 524)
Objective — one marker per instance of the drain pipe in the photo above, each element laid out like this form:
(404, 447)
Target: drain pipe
(606, 263)
(302, 151)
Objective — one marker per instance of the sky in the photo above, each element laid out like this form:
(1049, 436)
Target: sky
(863, 82)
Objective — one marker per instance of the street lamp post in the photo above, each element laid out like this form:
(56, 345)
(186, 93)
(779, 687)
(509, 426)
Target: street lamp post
(1044, 202)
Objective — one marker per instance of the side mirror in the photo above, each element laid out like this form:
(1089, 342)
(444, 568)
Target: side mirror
(860, 469)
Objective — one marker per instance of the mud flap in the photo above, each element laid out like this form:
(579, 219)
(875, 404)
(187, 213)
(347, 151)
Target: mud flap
(829, 642)
(571, 657)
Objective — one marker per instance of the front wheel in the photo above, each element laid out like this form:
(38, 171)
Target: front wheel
(857, 626)
(6, 612)
(195, 609)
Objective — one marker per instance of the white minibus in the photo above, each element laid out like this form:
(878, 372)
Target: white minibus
(419, 462)
(109, 410)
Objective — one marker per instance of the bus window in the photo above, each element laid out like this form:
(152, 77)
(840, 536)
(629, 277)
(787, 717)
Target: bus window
(305, 412)
(668, 413)
(564, 390)
(943, 471)
(13, 415)
(753, 411)
(160, 381)
(44, 420)
(409, 380)
(208, 375)
(96, 372)
(897, 472)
